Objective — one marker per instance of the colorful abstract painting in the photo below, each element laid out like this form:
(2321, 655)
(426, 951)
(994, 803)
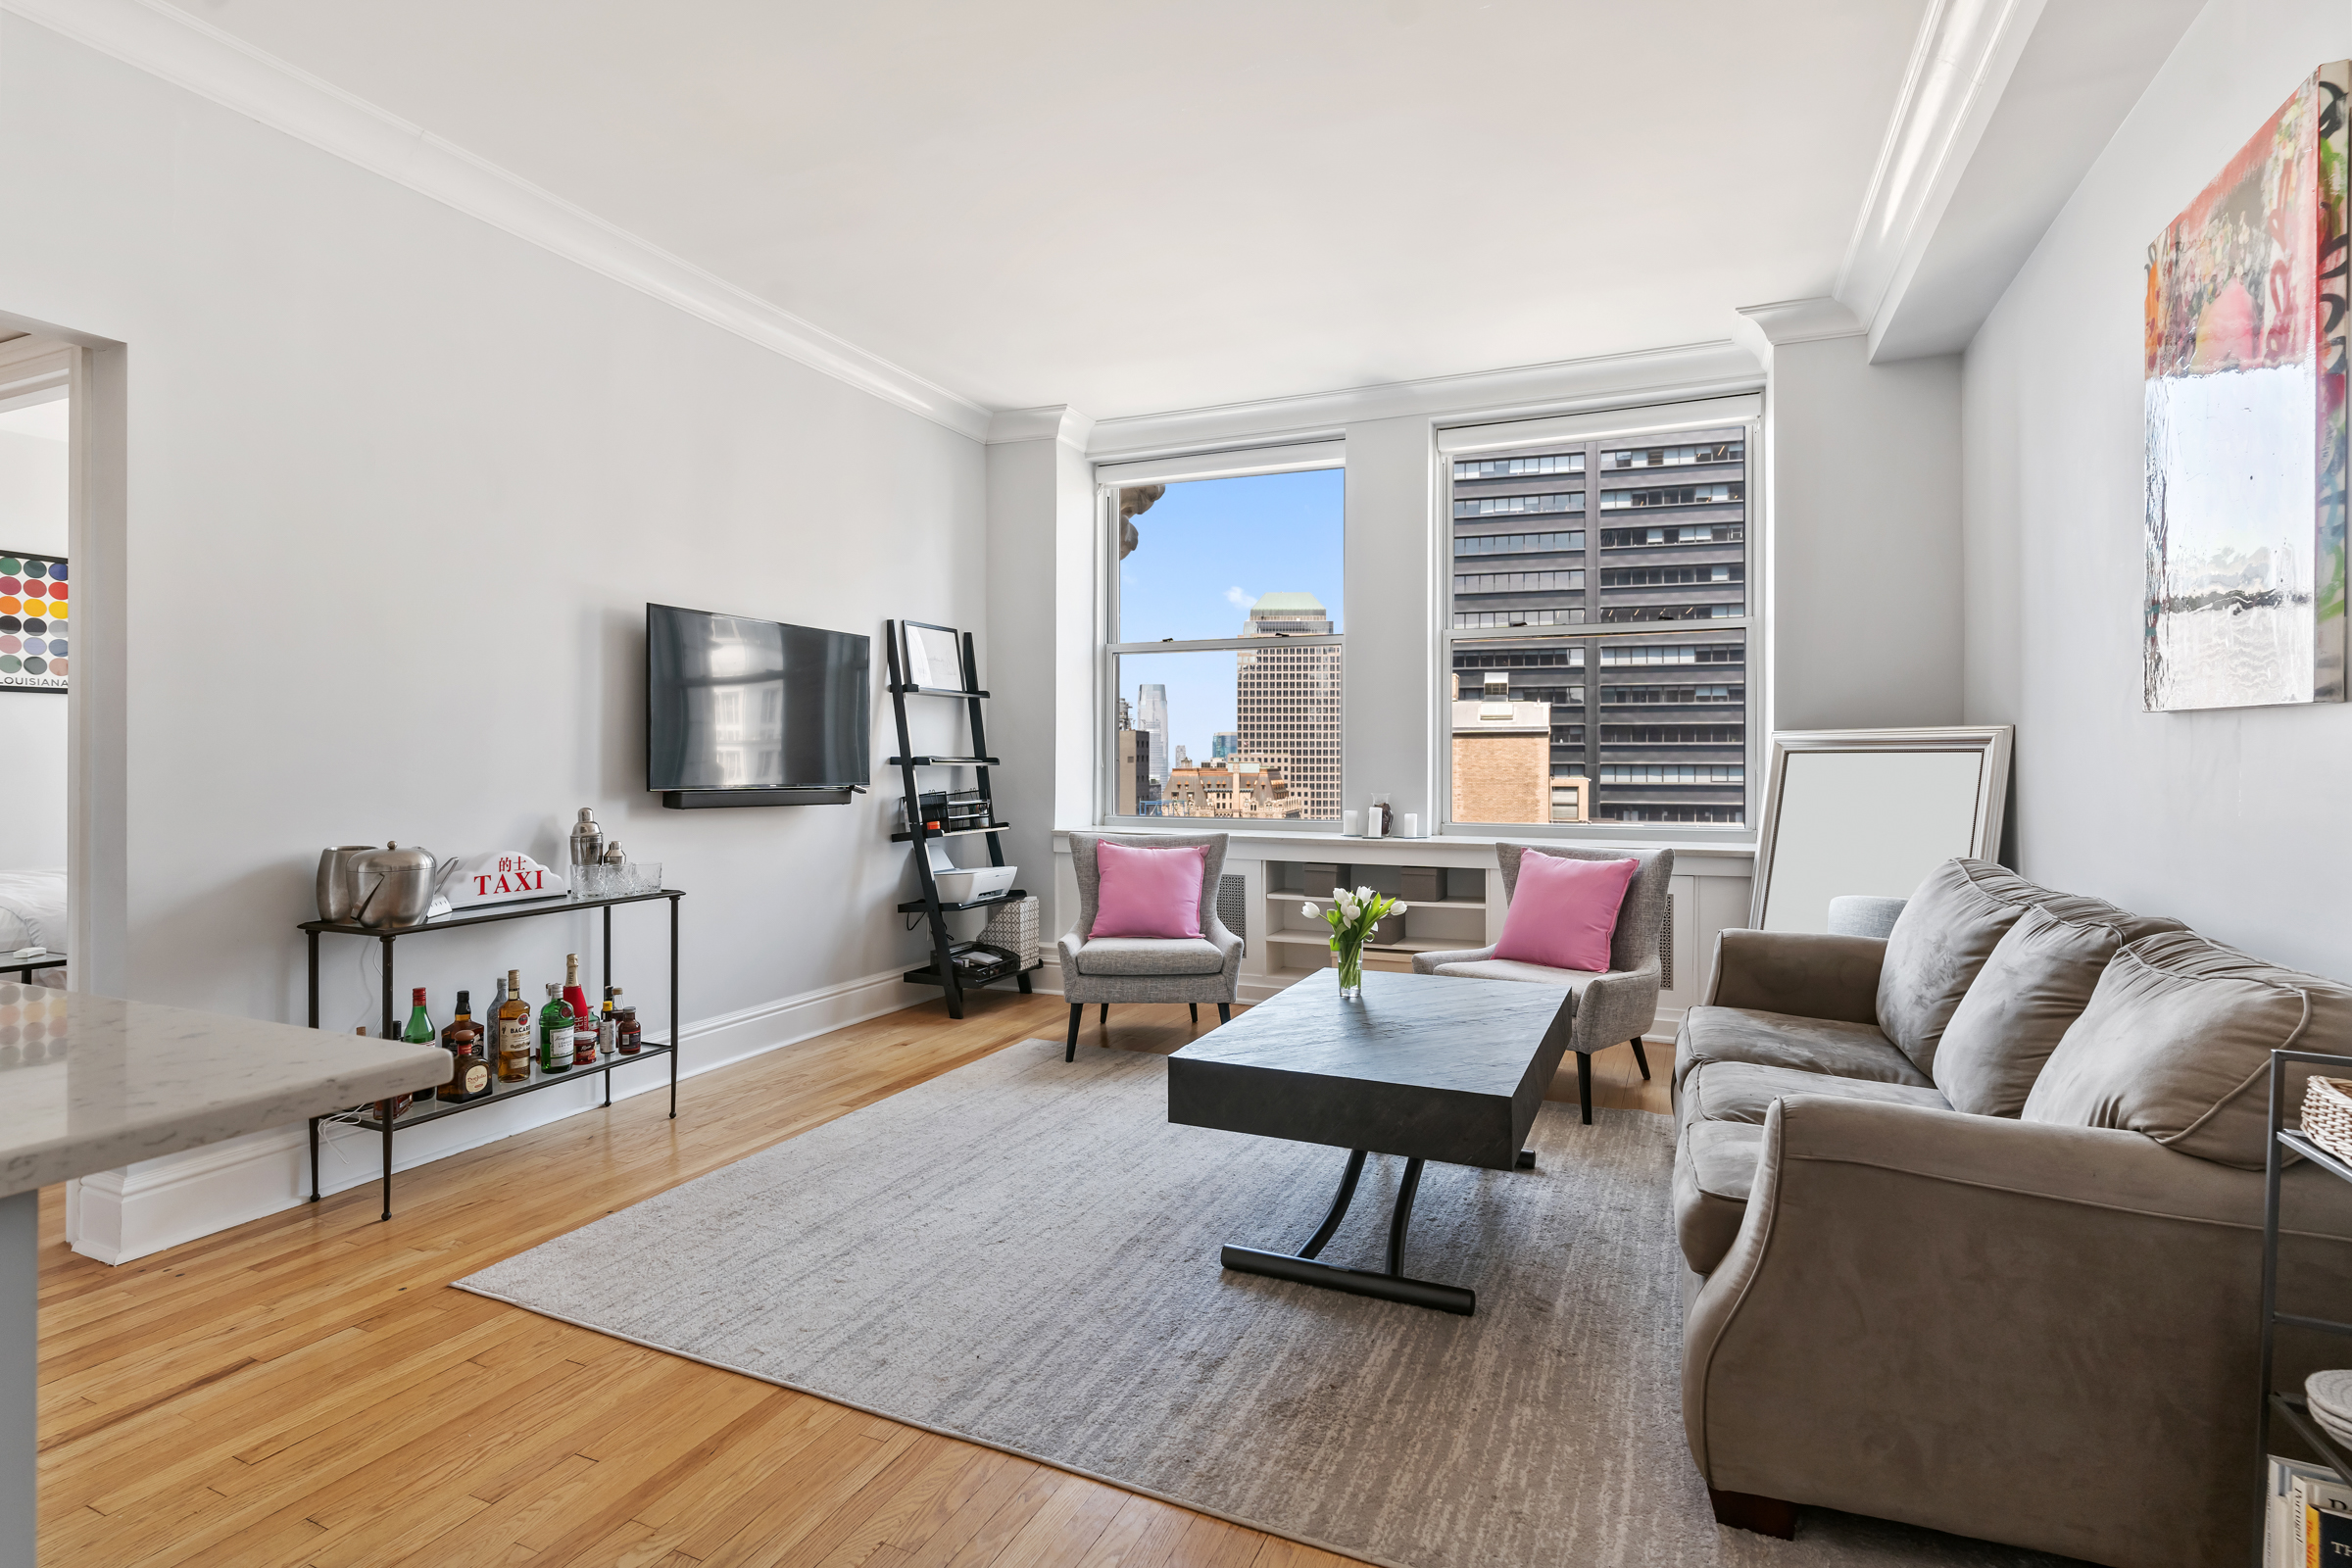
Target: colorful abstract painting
(35, 605)
(2246, 439)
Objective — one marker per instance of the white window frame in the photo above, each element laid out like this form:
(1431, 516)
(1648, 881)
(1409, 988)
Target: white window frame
(1297, 457)
(1453, 442)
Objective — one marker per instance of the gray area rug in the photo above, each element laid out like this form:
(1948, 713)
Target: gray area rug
(1024, 1253)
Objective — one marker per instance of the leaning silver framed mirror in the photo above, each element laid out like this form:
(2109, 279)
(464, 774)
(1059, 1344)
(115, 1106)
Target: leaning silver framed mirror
(1872, 811)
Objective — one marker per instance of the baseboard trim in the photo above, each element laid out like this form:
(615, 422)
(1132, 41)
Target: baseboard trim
(118, 1215)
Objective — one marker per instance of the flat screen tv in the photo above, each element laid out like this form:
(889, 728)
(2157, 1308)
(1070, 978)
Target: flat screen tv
(738, 704)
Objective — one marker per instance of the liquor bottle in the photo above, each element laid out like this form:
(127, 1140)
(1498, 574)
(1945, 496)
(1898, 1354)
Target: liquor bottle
(554, 1032)
(421, 1030)
(608, 1026)
(573, 996)
(513, 1033)
(583, 1040)
(470, 1066)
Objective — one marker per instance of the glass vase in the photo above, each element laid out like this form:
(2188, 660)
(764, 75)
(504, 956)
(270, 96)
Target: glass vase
(1352, 969)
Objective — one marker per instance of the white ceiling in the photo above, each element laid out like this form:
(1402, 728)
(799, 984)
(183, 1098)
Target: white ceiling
(1142, 207)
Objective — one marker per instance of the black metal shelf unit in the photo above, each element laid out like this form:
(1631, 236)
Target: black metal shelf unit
(2283, 1141)
(426, 1110)
(941, 971)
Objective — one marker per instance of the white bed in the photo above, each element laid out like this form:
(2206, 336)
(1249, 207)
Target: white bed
(33, 914)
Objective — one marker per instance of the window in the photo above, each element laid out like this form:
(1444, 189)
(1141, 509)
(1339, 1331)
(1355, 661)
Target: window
(1226, 647)
(1621, 654)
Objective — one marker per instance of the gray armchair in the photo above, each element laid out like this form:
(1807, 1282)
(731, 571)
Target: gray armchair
(1618, 1003)
(1103, 970)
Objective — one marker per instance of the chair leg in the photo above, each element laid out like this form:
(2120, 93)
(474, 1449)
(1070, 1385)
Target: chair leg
(1640, 1060)
(1077, 1011)
(1195, 1007)
(1224, 1012)
(1104, 1021)
(1584, 1084)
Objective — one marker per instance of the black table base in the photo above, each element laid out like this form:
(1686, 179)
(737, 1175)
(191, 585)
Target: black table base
(1302, 1268)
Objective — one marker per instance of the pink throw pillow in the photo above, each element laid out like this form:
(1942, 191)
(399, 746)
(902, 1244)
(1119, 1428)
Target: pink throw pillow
(1563, 911)
(1148, 893)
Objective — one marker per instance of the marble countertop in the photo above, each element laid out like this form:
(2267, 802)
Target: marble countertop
(92, 1083)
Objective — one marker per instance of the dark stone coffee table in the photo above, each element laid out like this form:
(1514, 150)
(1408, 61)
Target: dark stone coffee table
(1424, 1065)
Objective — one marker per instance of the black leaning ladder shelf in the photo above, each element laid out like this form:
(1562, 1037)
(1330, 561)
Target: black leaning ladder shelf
(941, 969)
(2282, 1141)
(425, 1108)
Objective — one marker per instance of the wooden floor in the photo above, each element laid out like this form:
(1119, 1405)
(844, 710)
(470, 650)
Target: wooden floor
(304, 1388)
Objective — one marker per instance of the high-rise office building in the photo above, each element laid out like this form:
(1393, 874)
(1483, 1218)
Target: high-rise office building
(1152, 720)
(1622, 560)
(1223, 745)
(1287, 700)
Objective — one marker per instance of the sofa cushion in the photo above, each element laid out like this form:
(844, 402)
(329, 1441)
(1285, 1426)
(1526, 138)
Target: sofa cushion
(1149, 956)
(1713, 1172)
(2178, 1055)
(1782, 1040)
(2035, 984)
(1950, 927)
(1742, 1091)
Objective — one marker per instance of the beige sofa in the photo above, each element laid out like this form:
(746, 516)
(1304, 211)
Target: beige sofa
(1973, 1218)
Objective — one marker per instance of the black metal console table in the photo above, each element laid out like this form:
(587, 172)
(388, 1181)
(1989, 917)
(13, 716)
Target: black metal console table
(2285, 1141)
(23, 968)
(426, 1110)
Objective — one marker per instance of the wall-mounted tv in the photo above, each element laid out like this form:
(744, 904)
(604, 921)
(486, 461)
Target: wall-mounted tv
(742, 712)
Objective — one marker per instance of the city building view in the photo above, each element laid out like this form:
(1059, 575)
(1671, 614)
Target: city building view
(1243, 720)
(1644, 725)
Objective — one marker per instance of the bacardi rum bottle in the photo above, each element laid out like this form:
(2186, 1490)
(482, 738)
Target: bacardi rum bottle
(513, 1033)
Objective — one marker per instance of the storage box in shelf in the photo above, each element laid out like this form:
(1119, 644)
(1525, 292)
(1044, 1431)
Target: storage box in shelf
(1014, 927)
(2327, 1115)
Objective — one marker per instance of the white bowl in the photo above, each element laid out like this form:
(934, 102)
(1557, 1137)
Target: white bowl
(961, 887)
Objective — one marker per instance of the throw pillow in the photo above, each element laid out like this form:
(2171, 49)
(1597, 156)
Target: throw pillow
(2184, 1059)
(1941, 939)
(1148, 893)
(2036, 983)
(1564, 911)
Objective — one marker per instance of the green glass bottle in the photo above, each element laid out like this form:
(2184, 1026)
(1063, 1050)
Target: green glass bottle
(421, 1030)
(554, 1032)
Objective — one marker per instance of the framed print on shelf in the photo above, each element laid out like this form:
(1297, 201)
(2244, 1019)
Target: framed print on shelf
(932, 656)
(34, 611)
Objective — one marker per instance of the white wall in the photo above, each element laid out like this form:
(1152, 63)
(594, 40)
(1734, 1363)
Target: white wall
(1864, 469)
(399, 486)
(2232, 820)
(32, 724)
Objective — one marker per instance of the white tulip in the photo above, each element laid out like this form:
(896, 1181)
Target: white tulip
(1309, 910)
(1364, 895)
(1397, 909)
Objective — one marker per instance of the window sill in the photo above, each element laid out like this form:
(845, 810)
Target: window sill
(1722, 857)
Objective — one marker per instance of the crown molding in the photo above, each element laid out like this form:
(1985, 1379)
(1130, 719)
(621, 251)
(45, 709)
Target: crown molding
(1765, 327)
(1056, 422)
(191, 53)
(1566, 387)
(1960, 65)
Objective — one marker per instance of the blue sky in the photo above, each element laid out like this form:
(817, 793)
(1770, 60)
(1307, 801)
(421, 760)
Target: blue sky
(1209, 547)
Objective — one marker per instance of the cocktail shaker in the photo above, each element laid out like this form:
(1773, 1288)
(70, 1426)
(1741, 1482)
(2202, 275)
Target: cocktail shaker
(335, 881)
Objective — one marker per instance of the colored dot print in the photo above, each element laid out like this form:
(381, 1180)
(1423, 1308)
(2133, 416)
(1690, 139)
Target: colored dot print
(10, 663)
(11, 565)
(57, 572)
(11, 623)
(37, 666)
(11, 585)
(10, 604)
(34, 624)
(56, 666)
(12, 645)
(36, 645)
(57, 611)
(57, 648)
(33, 568)
(57, 590)
(36, 590)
